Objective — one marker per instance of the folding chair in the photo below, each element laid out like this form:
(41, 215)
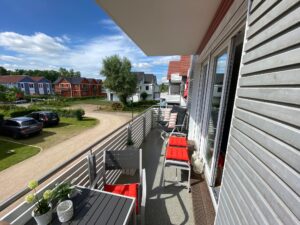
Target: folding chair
(176, 122)
(177, 156)
(127, 159)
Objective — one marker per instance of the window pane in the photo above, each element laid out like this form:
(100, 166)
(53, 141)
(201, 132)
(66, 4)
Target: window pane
(218, 81)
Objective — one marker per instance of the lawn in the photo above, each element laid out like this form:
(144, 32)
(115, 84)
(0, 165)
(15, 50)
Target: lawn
(67, 128)
(91, 101)
(11, 153)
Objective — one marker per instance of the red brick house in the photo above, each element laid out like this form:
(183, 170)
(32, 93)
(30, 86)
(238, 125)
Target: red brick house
(77, 87)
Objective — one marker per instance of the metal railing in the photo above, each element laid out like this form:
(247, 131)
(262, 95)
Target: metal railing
(76, 169)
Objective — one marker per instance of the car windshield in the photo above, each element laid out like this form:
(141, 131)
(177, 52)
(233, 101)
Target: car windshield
(28, 122)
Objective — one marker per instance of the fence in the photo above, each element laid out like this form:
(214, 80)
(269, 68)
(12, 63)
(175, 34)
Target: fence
(76, 168)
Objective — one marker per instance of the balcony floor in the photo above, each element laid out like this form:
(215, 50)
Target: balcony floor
(169, 205)
(172, 204)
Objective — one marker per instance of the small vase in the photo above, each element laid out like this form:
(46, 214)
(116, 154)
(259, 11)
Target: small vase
(65, 211)
(43, 219)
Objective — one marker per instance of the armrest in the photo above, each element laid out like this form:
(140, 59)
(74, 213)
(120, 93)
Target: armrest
(178, 134)
(143, 198)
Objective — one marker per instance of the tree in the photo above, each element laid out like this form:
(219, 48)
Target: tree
(144, 96)
(9, 94)
(3, 71)
(118, 76)
(163, 88)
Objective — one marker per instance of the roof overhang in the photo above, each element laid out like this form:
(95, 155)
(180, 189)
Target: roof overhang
(163, 27)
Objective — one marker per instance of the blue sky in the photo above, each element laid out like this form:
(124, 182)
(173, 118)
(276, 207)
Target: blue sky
(48, 34)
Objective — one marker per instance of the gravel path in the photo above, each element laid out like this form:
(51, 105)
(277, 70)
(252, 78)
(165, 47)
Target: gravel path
(17, 176)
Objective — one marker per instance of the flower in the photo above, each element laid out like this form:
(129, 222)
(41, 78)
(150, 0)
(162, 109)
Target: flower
(30, 198)
(47, 194)
(33, 184)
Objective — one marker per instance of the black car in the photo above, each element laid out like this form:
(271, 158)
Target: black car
(48, 118)
(20, 127)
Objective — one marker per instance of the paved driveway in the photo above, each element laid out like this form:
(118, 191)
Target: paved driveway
(17, 176)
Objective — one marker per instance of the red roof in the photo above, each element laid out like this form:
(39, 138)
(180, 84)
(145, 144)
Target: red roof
(11, 78)
(180, 67)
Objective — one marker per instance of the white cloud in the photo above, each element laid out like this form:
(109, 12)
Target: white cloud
(38, 43)
(41, 51)
(164, 80)
(9, 58)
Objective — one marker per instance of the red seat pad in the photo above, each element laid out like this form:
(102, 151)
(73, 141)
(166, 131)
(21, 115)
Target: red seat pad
(130, 190)
(175, 153)
(178, 141)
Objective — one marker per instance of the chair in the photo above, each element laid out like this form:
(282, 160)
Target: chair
(176, 122)
(177, 156)
(126, 159)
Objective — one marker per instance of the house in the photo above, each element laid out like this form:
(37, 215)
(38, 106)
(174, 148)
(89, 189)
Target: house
(178, 74)
(29, 85)
(42, 86)
(145, 83)
(243, 92)
(95, 87)
(77, 87)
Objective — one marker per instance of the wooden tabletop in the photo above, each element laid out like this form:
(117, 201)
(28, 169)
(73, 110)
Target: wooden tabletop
(98, 207)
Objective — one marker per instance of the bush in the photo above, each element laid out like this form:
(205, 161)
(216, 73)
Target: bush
(79, 114)
(144, 96)
(116, 106)
(1, 118)
(69, 113)
(21, 112)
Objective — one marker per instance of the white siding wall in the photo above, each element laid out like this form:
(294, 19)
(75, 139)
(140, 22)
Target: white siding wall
(261, 182)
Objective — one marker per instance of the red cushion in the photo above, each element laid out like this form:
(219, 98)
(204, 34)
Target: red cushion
(130, 190)
(178, 141)
(175, 153)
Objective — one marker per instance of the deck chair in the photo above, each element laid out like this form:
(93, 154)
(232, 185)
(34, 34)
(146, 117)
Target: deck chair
(177, 156)
(176, 122)
(127, 159)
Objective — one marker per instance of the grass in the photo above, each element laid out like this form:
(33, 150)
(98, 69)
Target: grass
(12, 153)
(51, 136)
(92, 101)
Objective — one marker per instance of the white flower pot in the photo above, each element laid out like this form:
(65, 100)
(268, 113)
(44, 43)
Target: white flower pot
(43, 219)
(65, 211)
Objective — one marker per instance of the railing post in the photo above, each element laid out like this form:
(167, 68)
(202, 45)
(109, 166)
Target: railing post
(129, 134)
(152, 118)
(144, 127)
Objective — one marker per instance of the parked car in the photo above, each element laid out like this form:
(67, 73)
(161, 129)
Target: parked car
(46, 117)
(21, 127)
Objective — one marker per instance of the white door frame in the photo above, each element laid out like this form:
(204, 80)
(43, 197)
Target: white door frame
(209, 171)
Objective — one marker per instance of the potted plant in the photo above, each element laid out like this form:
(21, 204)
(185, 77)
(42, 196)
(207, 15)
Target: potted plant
(63, 191)
(42, 212)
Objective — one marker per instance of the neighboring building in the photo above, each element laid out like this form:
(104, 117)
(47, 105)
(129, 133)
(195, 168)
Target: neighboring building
(245, 96)
(42, 85)
(78, 87)
(145, 83)
(178, 75)
(178, 72)
(29, 85)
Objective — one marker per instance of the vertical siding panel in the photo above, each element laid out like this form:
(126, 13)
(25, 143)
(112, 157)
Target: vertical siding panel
(261, 181)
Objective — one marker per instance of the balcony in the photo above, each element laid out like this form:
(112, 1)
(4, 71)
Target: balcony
(165, 205)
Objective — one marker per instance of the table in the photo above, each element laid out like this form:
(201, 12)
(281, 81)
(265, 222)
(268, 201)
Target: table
(99, 207)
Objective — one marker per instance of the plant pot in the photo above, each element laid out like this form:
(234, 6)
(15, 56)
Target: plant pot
(43, 219)
(65, 211)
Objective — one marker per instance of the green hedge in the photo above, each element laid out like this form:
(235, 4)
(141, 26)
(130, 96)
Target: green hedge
(71, 113)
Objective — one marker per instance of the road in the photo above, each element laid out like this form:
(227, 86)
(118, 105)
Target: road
(17, 176)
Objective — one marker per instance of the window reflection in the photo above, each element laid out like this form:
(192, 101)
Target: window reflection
(218, 82)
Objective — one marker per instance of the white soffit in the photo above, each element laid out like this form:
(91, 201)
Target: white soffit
(163, 27)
